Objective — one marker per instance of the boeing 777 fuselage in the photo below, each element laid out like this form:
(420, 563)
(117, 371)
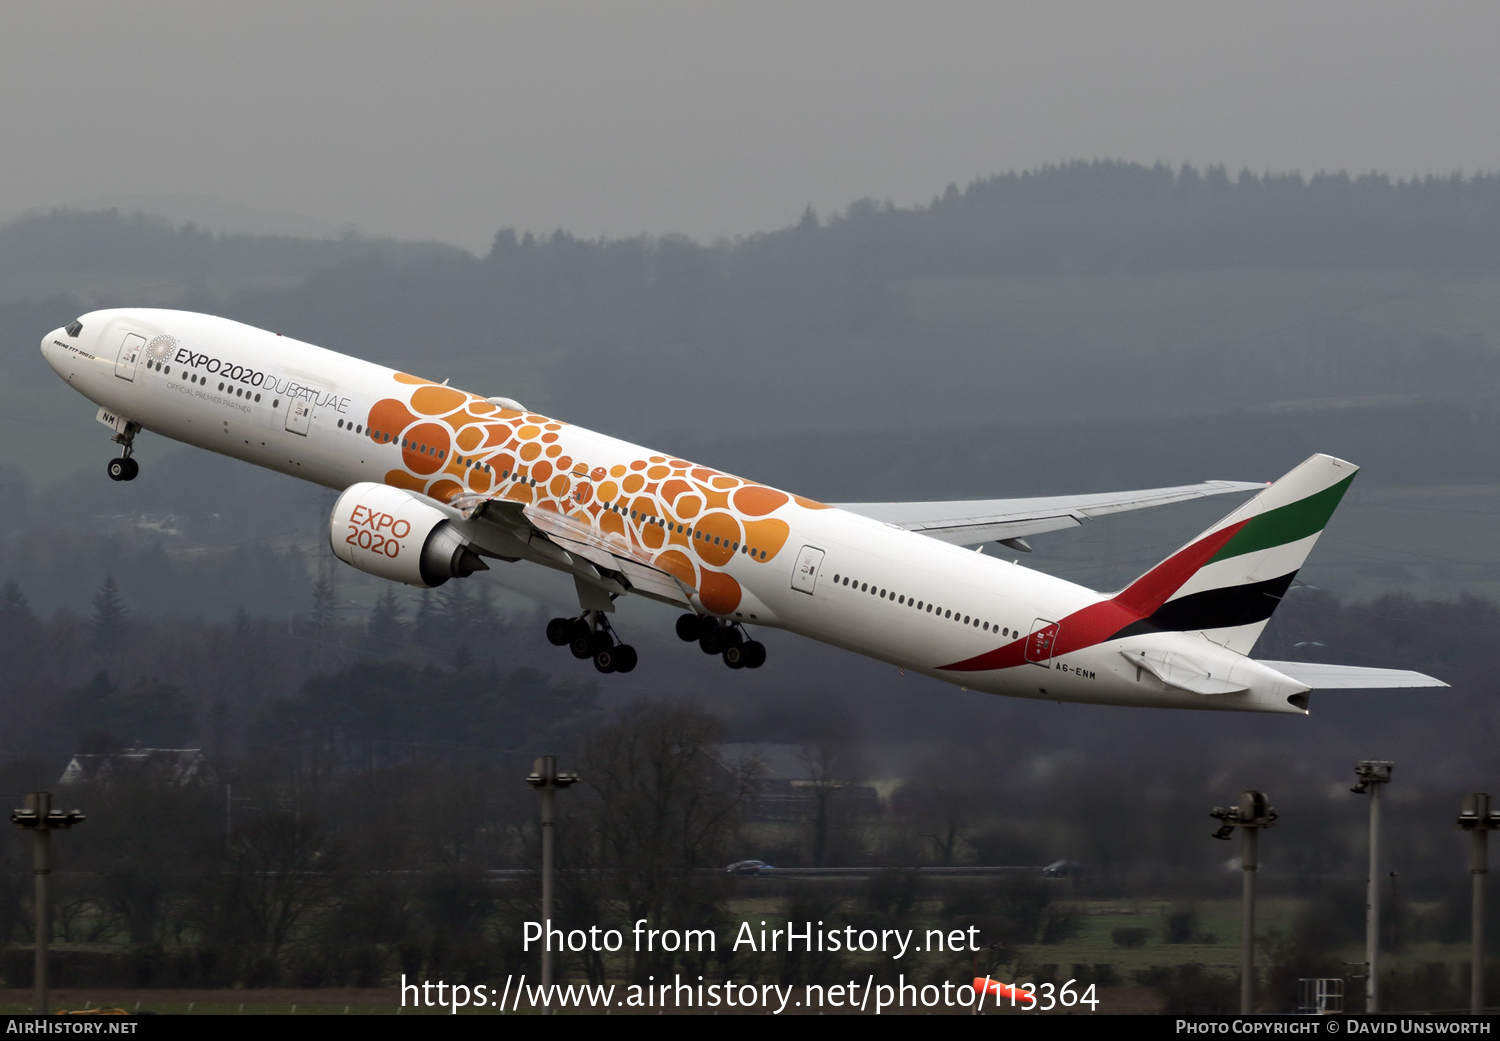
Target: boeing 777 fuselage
(437, 481)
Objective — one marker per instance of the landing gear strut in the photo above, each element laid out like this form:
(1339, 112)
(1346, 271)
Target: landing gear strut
(124, 468)
(590, 636)
(728, 640)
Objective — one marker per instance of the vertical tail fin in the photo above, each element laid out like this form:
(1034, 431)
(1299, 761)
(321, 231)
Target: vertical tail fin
(1226, 583)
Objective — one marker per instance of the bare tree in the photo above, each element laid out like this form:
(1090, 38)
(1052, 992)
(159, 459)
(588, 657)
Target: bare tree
(278, 870)
(663, 809)
(830, 768)
(945, 804)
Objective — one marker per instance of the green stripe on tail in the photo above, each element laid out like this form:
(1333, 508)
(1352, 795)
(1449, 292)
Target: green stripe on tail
(1289, 523)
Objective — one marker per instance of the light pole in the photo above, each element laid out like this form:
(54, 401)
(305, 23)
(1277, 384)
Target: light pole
(1252, 813)
(42, 820)
(1478, 820)
(1374, 775)
(546, 780)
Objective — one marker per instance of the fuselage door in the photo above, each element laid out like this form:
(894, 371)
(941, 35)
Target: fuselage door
(130, 355)
(1042, 641)
(805, 574)
(298, 415)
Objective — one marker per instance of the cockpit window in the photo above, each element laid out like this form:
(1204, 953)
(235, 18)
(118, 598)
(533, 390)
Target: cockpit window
(75, 328)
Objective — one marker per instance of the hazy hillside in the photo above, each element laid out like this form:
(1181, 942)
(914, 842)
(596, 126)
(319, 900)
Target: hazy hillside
(108, 258)
(1095, 289)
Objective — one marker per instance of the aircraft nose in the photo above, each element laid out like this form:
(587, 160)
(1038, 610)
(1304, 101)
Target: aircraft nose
(50, 350)
(58, 347)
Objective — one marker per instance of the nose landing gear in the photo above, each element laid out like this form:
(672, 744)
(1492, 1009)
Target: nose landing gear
(590, 636)
(124, 468)
(726, 640)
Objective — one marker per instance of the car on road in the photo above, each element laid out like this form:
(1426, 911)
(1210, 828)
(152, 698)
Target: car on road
(749, 868)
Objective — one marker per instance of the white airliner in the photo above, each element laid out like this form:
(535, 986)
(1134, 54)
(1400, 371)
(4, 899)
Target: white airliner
(436, 481)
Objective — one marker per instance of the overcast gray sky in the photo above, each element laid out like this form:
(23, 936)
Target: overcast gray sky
(449, 120)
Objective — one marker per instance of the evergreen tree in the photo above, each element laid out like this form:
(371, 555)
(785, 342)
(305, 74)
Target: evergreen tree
(110, 612)
(324, 606)
(107, 717)
(483, 619)
(455, 603)
(13, 602)
(463, 659)
(385, 628)
(426, 626)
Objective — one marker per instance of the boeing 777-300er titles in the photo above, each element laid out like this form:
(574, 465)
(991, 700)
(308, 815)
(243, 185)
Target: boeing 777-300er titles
(436, 481)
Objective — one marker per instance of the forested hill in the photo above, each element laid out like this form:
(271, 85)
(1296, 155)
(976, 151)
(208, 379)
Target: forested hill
(1100, 289)
(1111, 216)
(1074, 217)
(107, 257)
(842, 276)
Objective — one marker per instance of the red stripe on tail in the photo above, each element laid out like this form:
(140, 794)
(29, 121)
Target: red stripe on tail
(1143, 596)
(1098, 622)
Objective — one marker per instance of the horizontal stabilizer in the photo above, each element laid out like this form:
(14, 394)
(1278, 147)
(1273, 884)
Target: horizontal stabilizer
(1183, 672)
(1319, 676)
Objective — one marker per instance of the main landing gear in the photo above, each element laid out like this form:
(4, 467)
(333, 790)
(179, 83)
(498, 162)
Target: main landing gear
(124, 468)
(590, 636)
(726, 640)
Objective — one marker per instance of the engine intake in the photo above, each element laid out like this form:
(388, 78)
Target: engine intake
(393, 534)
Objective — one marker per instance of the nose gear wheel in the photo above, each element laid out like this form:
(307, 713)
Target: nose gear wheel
(124, 468)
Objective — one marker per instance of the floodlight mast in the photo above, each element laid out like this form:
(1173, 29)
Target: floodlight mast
(1252, 813)
(546, 780)
(1478, 820)
(38, 817)
(1374, 775)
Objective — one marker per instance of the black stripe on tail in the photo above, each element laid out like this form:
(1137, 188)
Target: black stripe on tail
(1220, 608)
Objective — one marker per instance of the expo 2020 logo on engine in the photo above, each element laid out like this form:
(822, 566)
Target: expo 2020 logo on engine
(161, 348)
(377, 531)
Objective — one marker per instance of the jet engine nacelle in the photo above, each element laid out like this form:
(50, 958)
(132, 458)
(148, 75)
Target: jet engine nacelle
(391, 533)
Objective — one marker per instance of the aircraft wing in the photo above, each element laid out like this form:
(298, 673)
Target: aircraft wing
(967, 522)
(1319, 676)
(596, 556)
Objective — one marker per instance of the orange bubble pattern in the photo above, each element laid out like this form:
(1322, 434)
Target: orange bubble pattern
(690, 521)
